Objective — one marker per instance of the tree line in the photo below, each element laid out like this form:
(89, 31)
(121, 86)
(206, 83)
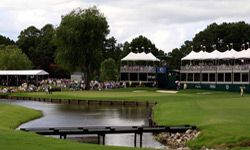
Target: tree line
(81, 42)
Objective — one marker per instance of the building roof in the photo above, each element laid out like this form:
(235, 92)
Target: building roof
(23, 72)
(229, 54)
(140, 57)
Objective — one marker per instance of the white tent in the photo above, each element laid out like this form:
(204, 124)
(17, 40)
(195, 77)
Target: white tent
(151, 57)
(190, 56)
(194, 55)
(229, 54)
(129, 57)
(140, 57)
(23, 72)
(213, 55)
(244, 54)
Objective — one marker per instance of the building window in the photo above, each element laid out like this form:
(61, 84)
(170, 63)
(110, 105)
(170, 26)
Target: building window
(197, 77)
(183, 77)
(190, 77)
(133, 77)
(212, 77)
(244, 77)
(220, 77)
(236, 77)
(228, 77)
(205, 77)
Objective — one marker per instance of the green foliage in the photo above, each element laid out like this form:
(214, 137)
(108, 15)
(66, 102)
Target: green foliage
(6, 41)
(214, 35)
(222, 35)
(80, 39)
(12, 58)
(111, 49)
(28, 41)
(40, 47)
(141, 44)
(109, 70)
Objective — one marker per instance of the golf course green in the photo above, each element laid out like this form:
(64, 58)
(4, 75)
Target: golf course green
(222, 117)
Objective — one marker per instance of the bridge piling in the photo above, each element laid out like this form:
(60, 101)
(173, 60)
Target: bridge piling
(135, 140)
(140, 140)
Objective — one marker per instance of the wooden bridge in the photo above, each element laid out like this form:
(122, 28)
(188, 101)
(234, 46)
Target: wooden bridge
(101, 131)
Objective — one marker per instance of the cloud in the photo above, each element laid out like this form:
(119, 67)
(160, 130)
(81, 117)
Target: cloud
(168, 23)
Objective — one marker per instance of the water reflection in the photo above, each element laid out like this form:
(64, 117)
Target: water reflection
(63, 115)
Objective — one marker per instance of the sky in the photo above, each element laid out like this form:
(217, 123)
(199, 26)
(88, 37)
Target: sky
(167, 23)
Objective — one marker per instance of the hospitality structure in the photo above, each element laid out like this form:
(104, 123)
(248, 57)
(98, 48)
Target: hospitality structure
(139, 68)
(17, 77)
(227, 70)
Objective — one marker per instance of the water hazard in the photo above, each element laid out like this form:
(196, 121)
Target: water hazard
(63, 115)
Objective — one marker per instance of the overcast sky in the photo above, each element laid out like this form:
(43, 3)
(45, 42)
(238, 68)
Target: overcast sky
(167, 23)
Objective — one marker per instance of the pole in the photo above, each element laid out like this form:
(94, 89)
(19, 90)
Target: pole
(103, 139)
(37, 80)
(98, 139)
(27, 79)
(140, 140)
(135, 140)
(17, 80)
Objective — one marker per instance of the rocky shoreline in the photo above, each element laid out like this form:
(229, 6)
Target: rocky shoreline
(177, 140)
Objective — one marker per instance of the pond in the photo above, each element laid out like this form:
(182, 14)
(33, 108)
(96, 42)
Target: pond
(64, 115)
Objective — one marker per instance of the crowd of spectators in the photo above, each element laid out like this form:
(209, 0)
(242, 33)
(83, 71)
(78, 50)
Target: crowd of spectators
(214, 67)
(137, 68)
(50, 85)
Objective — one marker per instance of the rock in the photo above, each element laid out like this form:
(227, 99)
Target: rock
(177, 140)
(188, 131)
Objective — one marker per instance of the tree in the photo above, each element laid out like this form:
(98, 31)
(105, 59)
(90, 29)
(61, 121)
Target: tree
(28, 41)
(40, 46)
(111, 49)
(109, 70)
(6, 41)
(80, 38)
(214, 36)
(46, 48)
(12, 58)
(222, 35)
(140, 44)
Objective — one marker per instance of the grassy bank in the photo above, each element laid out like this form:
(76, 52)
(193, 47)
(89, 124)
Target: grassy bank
(223, 117)
(11, 116)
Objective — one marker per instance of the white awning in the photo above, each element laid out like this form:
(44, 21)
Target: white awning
(140, 57)
(244, 54)
(194, 55)
(129, 57)
(212, 55)
(151, 57)
(23, 72)
(229, 54)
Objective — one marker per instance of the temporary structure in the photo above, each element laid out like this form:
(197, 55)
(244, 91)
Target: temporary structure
(24, 72)
(35, 74)
(140, 57)
(229, 54)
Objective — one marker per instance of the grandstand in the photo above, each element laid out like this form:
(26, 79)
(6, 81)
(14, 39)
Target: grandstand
(138, 68)
(227, 70)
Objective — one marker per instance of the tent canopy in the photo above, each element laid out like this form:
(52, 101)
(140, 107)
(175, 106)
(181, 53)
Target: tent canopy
(23, 72)
(140, 57)
(229, 54)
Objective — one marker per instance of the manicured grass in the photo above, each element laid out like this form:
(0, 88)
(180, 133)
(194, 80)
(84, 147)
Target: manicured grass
(222, 117)
(11, 116)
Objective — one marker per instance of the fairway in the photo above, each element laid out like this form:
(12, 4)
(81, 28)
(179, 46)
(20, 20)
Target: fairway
(222, 117)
